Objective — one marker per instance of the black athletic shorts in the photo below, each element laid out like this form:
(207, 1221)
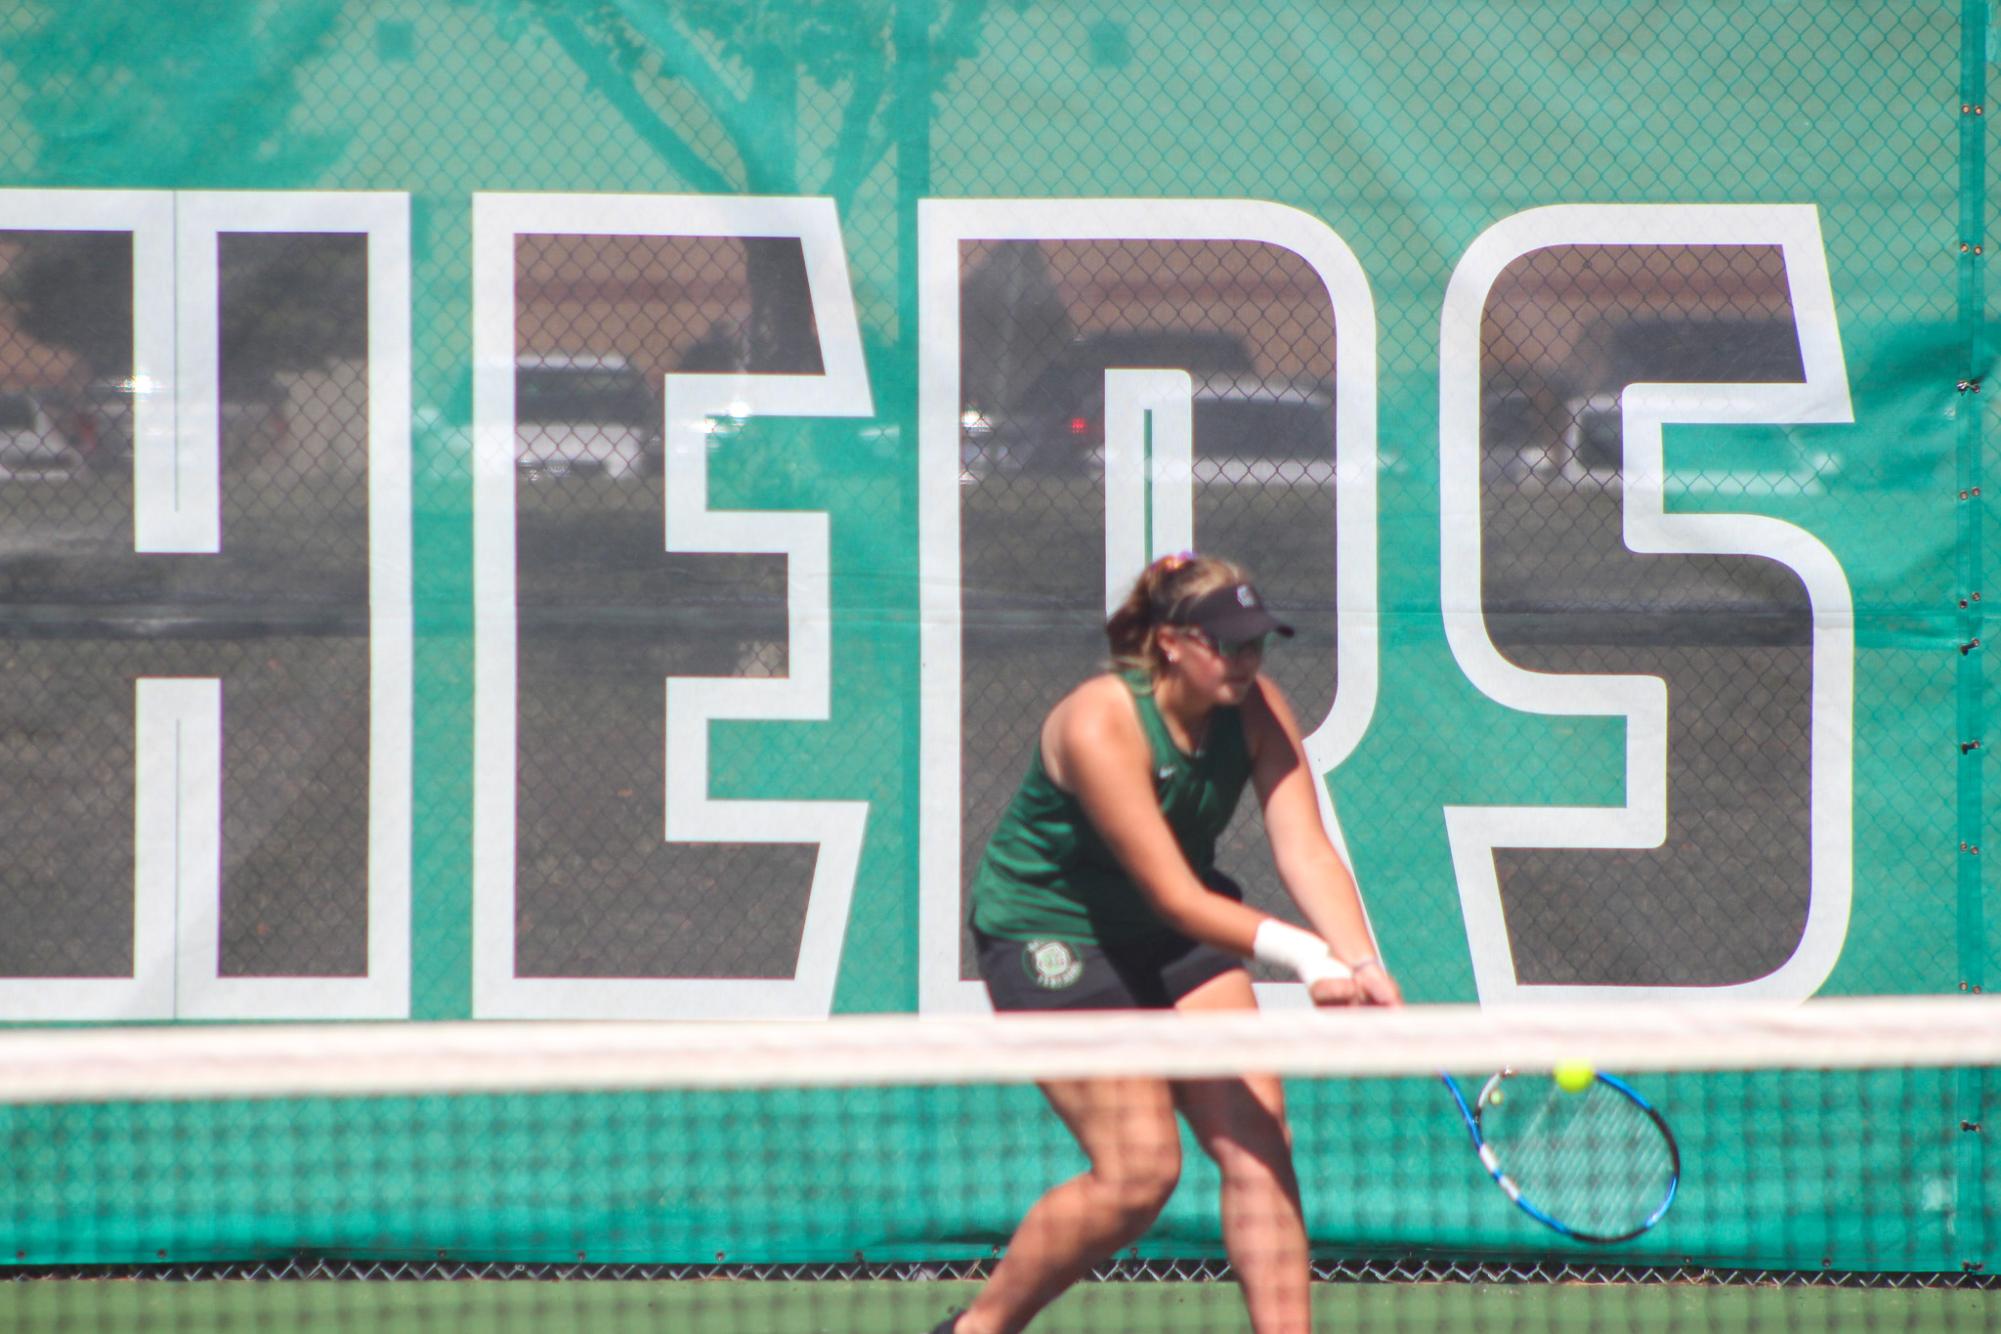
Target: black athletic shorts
(1053, 974)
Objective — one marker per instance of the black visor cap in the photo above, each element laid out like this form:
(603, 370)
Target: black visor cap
(1234, 614)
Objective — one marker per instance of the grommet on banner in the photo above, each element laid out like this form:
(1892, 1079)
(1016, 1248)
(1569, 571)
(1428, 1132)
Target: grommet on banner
(1970, 386)
(1966, 746)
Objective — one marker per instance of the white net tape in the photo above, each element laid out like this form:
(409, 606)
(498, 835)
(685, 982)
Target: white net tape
(154, 1063)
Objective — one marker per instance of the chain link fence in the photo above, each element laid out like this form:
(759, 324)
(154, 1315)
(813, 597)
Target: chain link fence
(1408, 137)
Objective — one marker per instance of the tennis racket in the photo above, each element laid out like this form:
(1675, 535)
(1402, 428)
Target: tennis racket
(1599, 1165)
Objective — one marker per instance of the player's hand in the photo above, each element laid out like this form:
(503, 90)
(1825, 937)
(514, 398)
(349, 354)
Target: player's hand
(1335, 991)
(1377, 987)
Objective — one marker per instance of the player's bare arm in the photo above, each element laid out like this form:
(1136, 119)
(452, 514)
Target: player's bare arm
(1312, 871)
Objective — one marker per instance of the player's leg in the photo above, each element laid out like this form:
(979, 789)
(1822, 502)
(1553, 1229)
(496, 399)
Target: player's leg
(1241, 1124)
(1128, 1133)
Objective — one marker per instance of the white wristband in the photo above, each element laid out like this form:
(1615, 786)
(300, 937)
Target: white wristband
(1286, 946)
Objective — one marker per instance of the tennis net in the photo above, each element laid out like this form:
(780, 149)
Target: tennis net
(1825, 1165)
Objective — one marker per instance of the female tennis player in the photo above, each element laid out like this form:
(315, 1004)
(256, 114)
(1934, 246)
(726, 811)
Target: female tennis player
(1099, 890)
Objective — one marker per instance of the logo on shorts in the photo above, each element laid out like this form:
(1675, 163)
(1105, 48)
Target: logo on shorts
(1246, 596)
(1051, 964)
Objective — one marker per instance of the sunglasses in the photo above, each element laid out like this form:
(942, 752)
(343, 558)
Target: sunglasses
(1255, 646)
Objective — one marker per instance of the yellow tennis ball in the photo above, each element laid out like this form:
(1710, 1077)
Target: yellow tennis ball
(1574, 1076)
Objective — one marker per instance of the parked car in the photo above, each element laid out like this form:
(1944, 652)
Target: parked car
(1590, 448)
(1250, 429)
(255, 418)
(1593, 454)
(584, 415)
(104, 417)
(32, 446)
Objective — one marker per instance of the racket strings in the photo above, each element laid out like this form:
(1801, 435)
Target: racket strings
(1594, 1160)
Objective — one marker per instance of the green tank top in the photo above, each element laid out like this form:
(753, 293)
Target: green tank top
(1047, 872)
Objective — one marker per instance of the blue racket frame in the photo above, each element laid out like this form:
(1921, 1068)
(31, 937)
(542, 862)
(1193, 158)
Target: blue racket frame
(1489, 1159)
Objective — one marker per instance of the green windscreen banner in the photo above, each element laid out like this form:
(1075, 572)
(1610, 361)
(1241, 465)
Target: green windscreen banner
(534, 509)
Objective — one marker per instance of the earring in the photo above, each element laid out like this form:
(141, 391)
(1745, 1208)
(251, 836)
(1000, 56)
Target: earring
(1174, 657)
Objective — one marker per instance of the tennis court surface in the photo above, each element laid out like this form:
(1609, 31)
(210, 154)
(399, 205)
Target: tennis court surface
(866, 1173)
(781, 1307)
